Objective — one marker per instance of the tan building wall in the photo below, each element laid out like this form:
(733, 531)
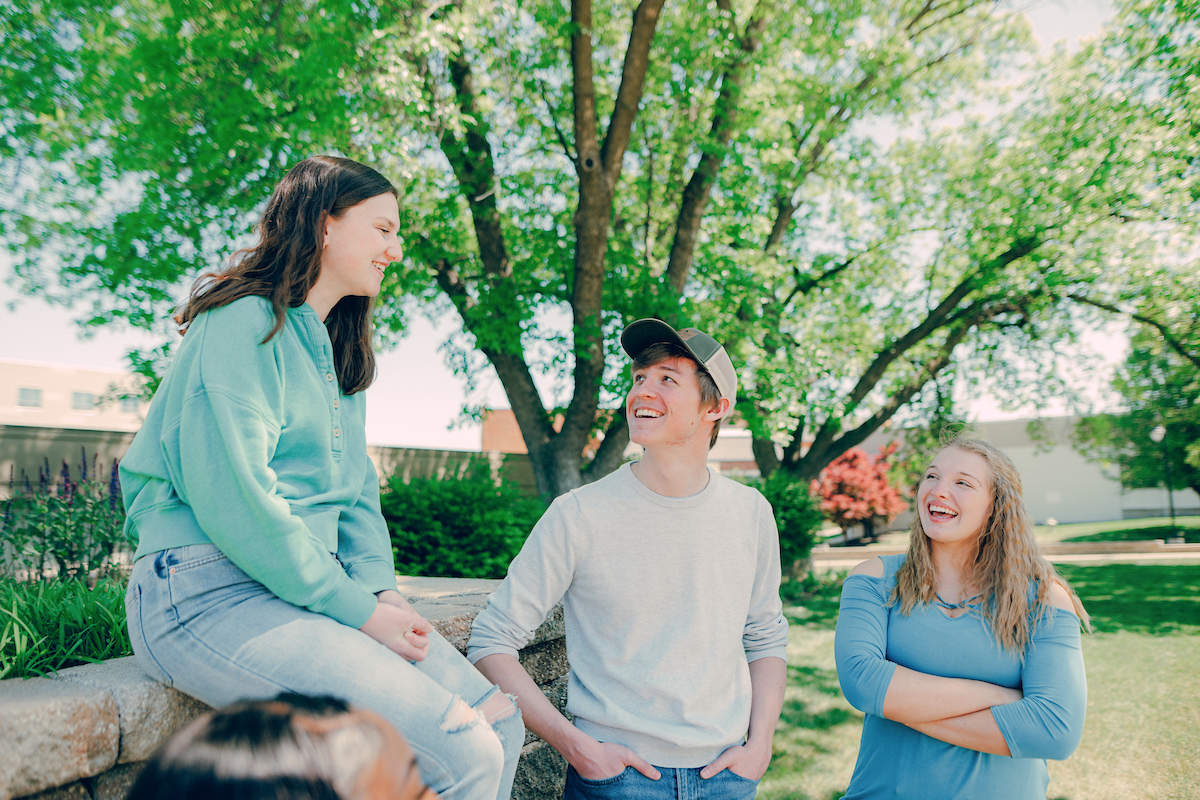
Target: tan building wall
(1061, 484)
(24, 449)
(52, 396)
(43, 421)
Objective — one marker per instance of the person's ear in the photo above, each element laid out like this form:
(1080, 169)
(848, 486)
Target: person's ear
(718, 411)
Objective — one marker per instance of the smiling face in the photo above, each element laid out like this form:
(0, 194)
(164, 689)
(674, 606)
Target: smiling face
(664, 406)
(358, 247)
(954, 499)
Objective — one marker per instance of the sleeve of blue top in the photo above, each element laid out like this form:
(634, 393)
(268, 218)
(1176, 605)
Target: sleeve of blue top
(222, 470)
(1048, 721)
(860, 644)
(364, 546)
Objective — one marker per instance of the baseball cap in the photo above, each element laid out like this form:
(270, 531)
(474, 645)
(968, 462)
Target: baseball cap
(708, 352)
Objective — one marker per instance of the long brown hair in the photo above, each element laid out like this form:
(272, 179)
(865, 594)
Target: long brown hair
(285, 263)
(1007, 559)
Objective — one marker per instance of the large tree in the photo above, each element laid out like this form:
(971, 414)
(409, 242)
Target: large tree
(552, 166)
(713, 161)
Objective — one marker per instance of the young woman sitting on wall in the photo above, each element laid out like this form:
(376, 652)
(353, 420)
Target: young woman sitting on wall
(263, 563)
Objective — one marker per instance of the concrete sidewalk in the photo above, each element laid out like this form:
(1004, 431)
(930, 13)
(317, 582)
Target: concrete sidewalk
(1156, 551)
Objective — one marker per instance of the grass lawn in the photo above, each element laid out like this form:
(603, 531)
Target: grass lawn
(1121, 530)
(1142, 734)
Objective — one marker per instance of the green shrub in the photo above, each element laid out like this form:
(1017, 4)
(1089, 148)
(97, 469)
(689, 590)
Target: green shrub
(465, 525)
(798, 517)
(60, 525)
(52, 624)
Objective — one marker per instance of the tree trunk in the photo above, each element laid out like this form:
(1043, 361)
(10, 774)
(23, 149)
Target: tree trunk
(764, 456)
(868, 526)
(556, 456)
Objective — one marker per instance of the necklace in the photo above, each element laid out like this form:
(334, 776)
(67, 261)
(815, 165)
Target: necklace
(969, 603)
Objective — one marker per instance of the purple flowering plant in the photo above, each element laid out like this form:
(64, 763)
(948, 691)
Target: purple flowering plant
(61, 526)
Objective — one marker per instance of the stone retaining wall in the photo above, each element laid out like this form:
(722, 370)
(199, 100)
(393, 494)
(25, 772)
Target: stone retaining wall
(84, 734)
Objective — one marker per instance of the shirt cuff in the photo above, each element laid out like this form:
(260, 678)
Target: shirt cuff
(476, 653)
(777, 652)
(350, 605)
(374, 575)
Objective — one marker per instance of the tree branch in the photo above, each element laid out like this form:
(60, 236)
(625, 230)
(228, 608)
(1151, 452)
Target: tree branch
(611, 451)
(1162, 329)
(583, 89)
(937, 318)
(764, 455)
(633, 80)
(825, 453)
(471, 158)
(598, 173)
(806, 283)
(699, 187)
(791, 453)
(965, 7)
(562, 138)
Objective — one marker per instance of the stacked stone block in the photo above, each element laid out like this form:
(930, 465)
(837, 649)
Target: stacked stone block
(83, 734)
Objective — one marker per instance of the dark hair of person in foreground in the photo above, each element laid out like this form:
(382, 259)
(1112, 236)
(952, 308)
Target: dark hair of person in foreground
(292, 747)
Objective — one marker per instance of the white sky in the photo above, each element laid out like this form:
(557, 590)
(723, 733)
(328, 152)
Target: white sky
(417, 398)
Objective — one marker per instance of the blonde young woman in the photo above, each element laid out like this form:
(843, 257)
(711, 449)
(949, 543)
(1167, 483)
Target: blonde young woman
(964, 652)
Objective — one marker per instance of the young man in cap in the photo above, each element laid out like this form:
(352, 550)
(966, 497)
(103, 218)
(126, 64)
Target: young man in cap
(669, 576)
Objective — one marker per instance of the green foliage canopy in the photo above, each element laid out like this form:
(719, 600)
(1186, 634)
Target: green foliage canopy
(1161, 388)
(725, 163)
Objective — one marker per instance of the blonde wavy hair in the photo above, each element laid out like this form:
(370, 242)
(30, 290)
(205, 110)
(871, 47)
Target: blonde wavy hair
(1007, 559)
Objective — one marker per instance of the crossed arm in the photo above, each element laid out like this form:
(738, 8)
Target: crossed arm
(1048, 715)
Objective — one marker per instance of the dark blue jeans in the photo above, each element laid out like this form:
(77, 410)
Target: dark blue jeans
(676, 783)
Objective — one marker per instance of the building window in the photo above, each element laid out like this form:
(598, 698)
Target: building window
(129, 405)
(83, 401)
(29, 398)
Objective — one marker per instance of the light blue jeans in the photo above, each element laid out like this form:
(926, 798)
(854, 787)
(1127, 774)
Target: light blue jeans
(674, 783)
(200, 624)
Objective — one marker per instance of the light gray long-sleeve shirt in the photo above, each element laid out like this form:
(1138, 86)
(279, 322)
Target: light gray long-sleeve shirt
(667, 600)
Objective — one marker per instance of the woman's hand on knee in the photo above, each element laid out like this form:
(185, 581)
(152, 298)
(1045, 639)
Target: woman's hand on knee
(401, 630)
(393, 598)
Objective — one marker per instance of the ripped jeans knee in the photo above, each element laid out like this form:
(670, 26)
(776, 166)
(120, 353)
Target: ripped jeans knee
(494, 707)
(500, 710)
(480, 747)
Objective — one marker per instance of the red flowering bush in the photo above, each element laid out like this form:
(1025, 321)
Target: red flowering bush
(855, 488)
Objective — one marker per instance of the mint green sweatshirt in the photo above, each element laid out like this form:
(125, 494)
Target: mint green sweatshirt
(253, 447)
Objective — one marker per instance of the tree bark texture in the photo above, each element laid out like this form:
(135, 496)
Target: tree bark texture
(699, 188)
(557, 457)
